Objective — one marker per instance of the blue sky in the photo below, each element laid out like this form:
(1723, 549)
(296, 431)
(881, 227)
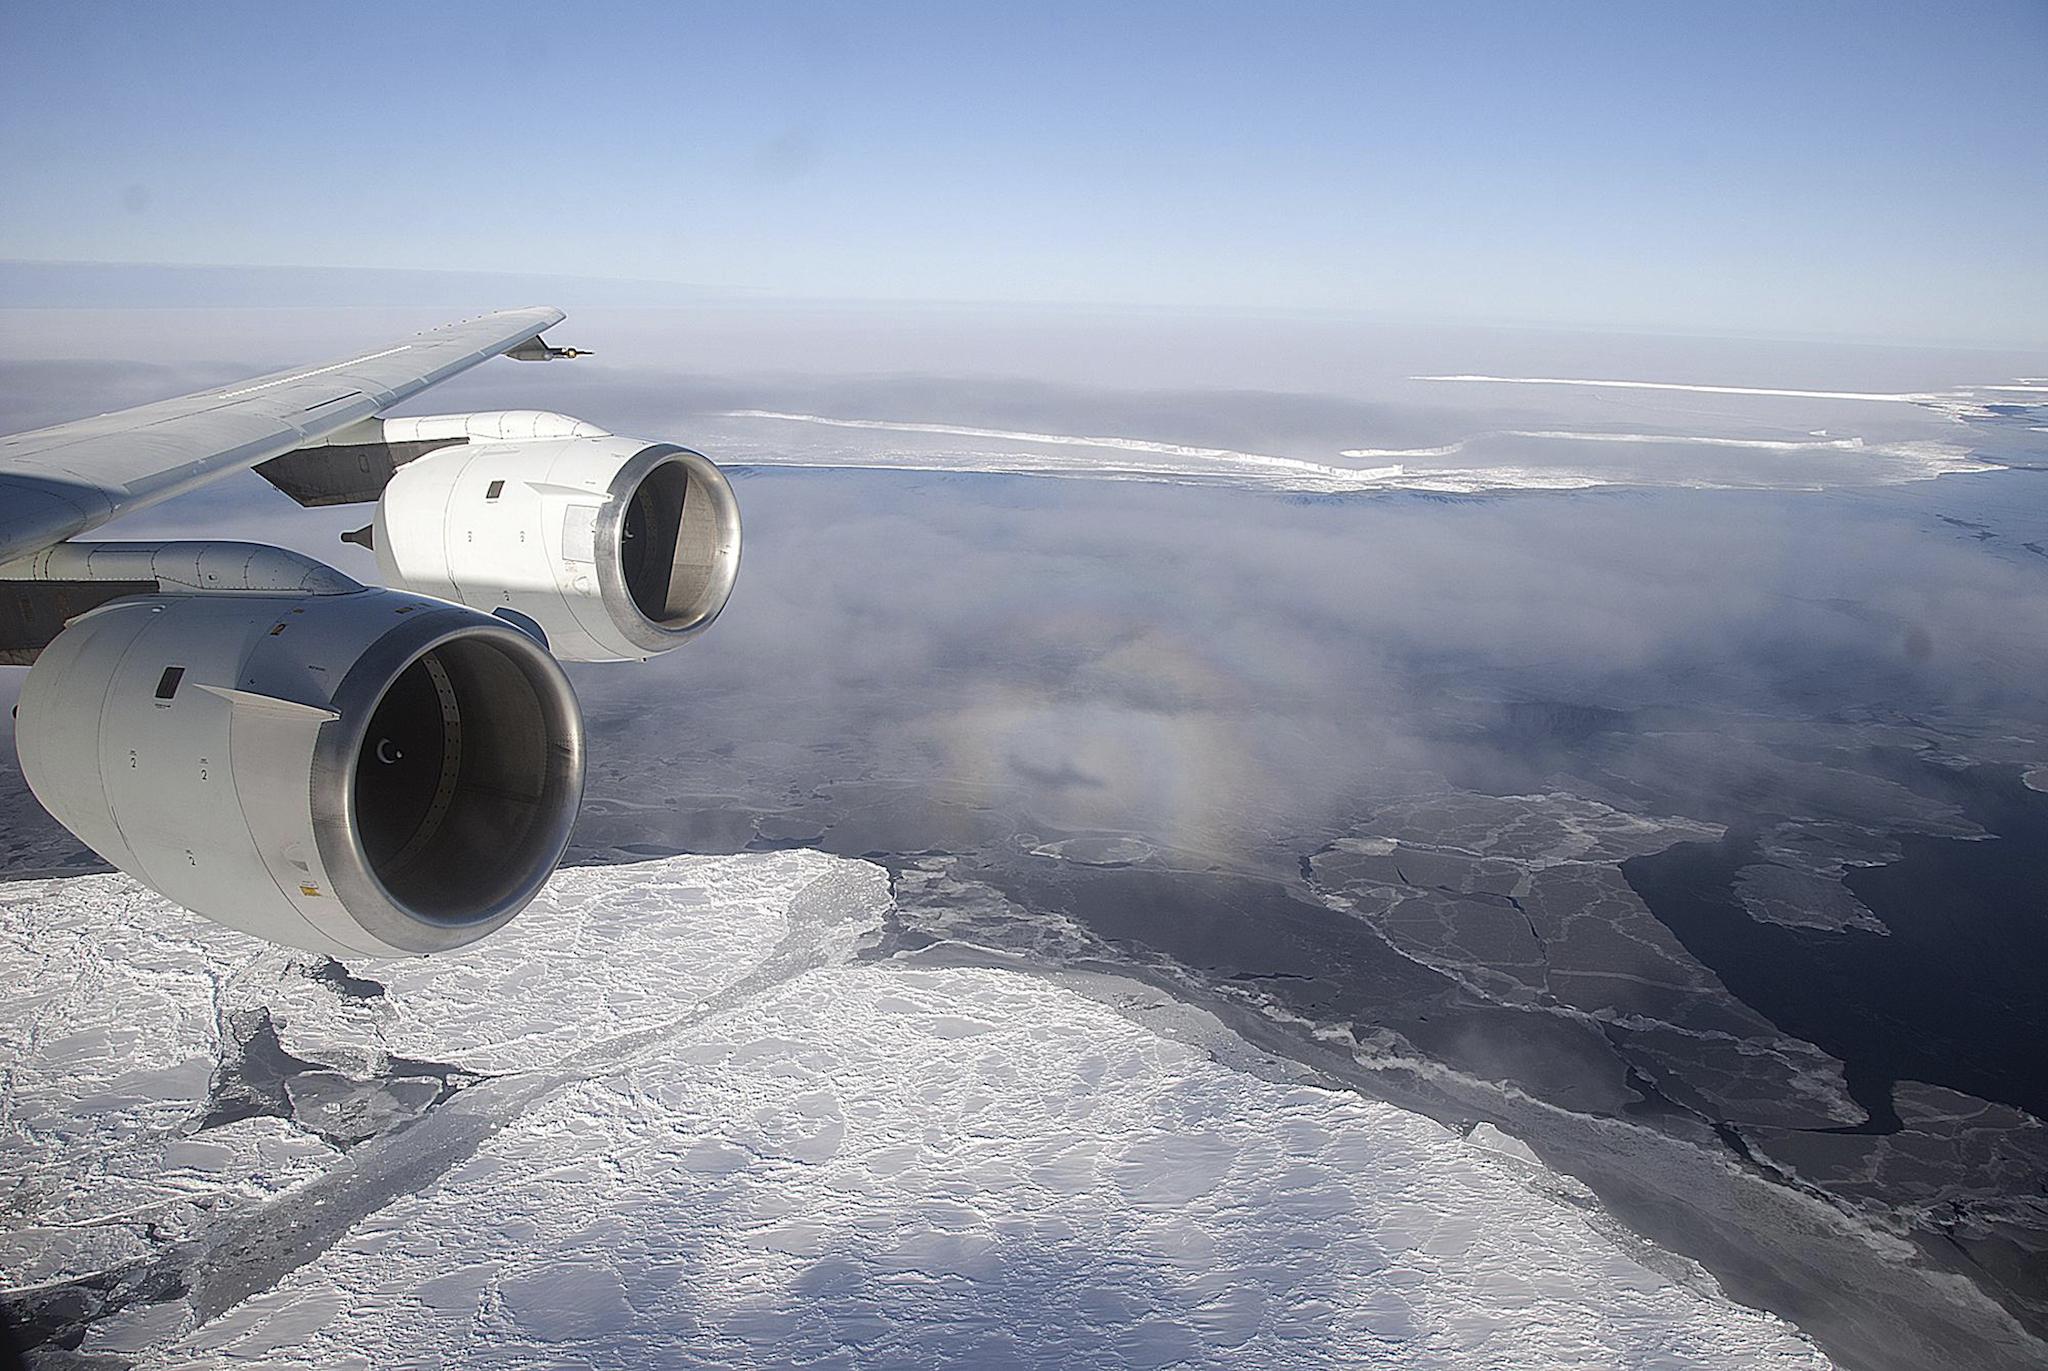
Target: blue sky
(1874, 171)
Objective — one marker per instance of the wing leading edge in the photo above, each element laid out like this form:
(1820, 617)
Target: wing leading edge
(56, 483)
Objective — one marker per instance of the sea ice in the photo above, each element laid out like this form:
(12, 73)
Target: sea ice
(720, 1139)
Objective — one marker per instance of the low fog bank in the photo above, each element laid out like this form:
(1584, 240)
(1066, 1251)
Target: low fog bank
(1200, 664)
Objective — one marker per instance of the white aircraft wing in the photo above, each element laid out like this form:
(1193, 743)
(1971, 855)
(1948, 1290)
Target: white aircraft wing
(355, 770)
(56, 483)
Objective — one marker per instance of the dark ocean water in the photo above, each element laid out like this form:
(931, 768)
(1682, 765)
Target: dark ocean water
(1953, 995)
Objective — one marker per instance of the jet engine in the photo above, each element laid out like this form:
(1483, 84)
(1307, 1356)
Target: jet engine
(258, 737)
(614, 548)
(353, 772)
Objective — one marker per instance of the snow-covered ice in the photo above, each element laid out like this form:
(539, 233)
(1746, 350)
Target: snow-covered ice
(1745, 455)
(1142, 458)
(703, 1133)
(1878, 396)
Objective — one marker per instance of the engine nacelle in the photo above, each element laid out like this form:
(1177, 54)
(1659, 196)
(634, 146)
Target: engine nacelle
(370, 772)
(618, 550)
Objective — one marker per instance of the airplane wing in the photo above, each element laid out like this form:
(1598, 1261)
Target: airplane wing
(57, 483)
(356, 770)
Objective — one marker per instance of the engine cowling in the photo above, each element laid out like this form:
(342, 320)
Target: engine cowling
(617, 549)
(372, 772)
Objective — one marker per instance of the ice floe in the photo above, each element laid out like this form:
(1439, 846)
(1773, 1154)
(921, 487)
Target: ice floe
(696, 1130)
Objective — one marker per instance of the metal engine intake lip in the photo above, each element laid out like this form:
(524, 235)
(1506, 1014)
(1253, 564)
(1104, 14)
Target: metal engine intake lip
(705, 482)
(499, 869)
